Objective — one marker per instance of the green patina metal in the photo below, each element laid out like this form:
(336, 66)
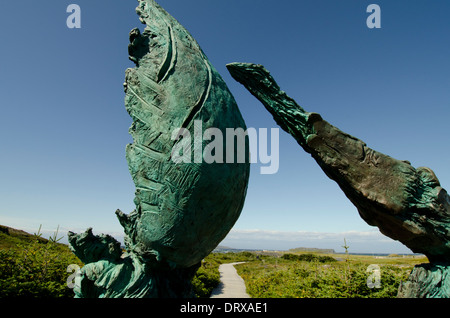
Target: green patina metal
(183, 210)
(405, 203)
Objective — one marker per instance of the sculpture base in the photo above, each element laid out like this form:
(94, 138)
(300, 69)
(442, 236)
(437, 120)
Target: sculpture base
(110, 272)
(427, 281)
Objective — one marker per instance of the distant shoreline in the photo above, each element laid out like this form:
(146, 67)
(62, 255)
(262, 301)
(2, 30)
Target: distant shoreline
(225, 249)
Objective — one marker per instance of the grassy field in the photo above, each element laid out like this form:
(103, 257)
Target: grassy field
(311, 277)
(31, 266)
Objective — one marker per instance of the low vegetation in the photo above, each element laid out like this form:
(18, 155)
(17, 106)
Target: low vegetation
(311, 275)
(308, 258)
(31, 266)
(319, 276)
(207, 277)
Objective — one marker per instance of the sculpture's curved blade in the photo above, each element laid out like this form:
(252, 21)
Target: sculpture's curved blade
(183, 210)
(185, 204)
(405, 203)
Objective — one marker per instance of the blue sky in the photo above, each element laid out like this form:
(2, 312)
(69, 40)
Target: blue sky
(64, 128)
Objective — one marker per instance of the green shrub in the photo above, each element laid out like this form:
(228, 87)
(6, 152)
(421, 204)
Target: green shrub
(205, 281)
(308, 257)
(36, 269)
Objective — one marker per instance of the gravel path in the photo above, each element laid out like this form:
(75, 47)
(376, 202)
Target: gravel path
(231, 284)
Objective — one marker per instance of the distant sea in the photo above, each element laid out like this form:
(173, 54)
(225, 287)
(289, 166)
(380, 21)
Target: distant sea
(382, 254)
